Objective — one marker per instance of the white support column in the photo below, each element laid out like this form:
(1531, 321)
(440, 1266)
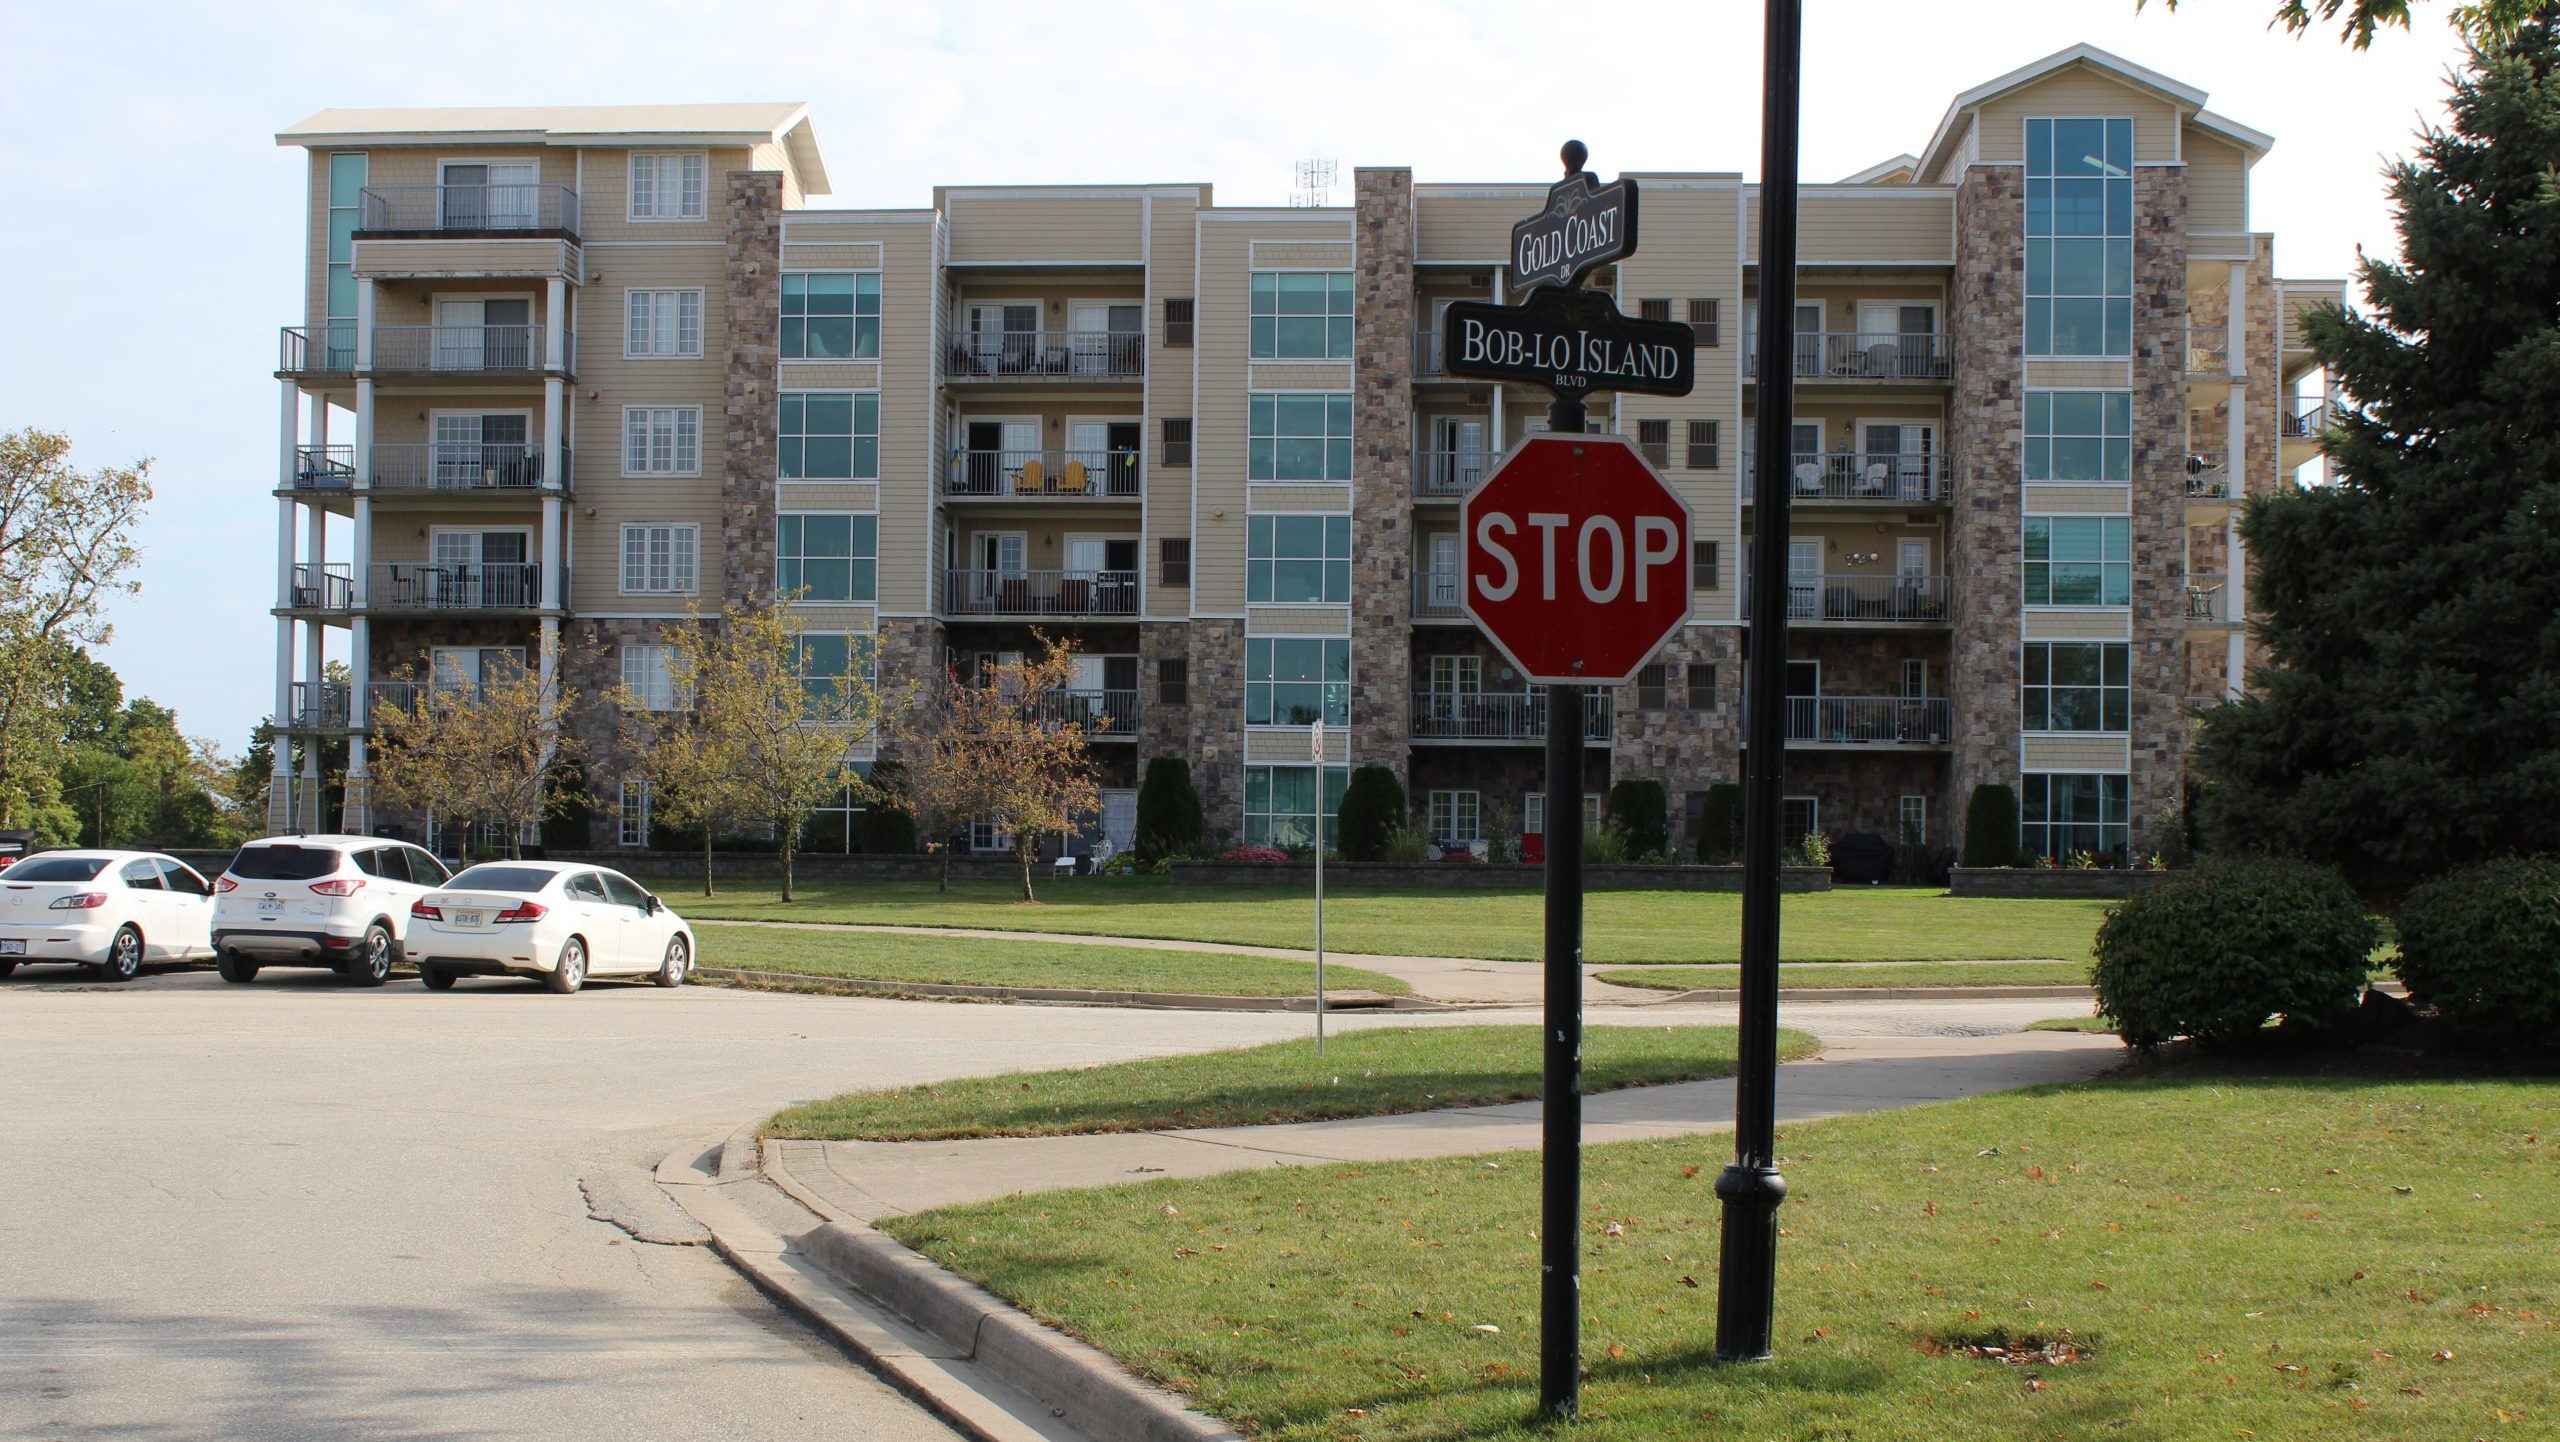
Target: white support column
(279, 772)
(356, 815)
(2235, 322)
(555, 484)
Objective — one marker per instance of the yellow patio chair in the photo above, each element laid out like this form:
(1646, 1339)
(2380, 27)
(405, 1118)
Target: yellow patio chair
(1071, 479)
(1030, 479)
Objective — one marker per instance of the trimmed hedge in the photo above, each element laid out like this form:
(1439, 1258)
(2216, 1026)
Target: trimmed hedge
(2212, 953)
(1372, 810)
(1720, 825)
(1640, 812)
(2482, 945)
(1170, 822)
(1991, 826)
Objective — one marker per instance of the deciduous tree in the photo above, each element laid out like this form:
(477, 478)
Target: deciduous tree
(470, 750)
(697, 771)
(1006, 752)
(2485, 21)
(66, 546)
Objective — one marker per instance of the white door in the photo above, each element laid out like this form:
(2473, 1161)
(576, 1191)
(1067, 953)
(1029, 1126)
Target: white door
(1090, 324)
(1441, 578)
(1911, 561)
(1804, 579)
(1120, 819)
(512, 194)
(1086, 557)
(1020, 442)
(1089, 445)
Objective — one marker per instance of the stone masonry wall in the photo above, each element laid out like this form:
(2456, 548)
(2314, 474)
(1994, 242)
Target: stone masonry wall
(1216, 730)
(1163, 730)
(2160, 719)
(1382, 458)
(1686, 750)
(1983, 540)
(750, 444)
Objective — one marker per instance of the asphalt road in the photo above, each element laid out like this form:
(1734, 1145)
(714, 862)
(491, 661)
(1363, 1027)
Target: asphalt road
(299, 1210)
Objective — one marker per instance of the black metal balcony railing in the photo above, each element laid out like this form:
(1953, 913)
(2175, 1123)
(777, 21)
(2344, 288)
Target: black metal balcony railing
(2208, 350)
(316, 708)
(1047, 355)
(317, 349)
(1040, 593)
(1083, 475)
(2208, 597)
(453, 586)
(466, 349)
(1857, 598)
(468, 209)
(1867, 720)
(1499, 715)
(2208, 474)
(1442, 471)
(2304, 420)
(1435, 596)
(1112, 713)
(1890, 476)
(1428, 361)
(459, 466)
(407, 694)
(1862, 355)
(330, 586)
(324, 468)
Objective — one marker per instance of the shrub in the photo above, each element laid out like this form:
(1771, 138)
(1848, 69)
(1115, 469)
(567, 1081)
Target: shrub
(1169, 818)
(1265, 855)
(1815, 850)
(1408, 843)
(2213, 952)
(1505, 827)
(1639, 811)
(2483, 945)
(886, 828)
(1603, 846)
(1372, 809)
(1720, 825)
(1991, 826)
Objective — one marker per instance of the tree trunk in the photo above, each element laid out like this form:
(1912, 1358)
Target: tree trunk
(945, 849)
(1022, 852)
(706, 858)
(786, 868)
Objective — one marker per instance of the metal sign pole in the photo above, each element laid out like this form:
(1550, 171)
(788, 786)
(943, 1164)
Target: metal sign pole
(1560, 1114)
(1751, 1188)
(1315, 748)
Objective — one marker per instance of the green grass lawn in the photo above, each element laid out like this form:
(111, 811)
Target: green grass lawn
(1861, 924)
(1369, 1072)
(891, 956)
(1831, 975)
(2094, 1025)
(2240, 1259)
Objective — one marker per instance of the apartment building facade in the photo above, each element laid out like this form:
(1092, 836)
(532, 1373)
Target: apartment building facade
(572, 373)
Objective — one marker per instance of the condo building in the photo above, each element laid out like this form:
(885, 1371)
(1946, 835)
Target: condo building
(574, 372)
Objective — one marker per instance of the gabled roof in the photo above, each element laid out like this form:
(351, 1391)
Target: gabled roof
(783, 122)
(2188, 99)
(1883, 169)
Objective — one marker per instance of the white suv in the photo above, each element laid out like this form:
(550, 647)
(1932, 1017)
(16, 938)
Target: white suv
(340, 902)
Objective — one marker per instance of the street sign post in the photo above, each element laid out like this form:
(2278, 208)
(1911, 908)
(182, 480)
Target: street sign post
(1574, 560)
(1315, 753)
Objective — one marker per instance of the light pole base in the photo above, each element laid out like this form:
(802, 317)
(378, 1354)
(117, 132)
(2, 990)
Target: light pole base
(1747, 1264)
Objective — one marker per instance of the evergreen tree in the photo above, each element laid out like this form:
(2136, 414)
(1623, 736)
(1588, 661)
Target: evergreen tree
(1372, 809)
(2412, 608)
(1170, 821)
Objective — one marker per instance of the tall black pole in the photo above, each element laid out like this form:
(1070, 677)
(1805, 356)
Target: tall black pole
(1560, 1116)
(1747, 1274)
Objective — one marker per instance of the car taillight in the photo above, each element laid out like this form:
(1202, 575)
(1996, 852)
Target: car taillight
(424, 912)
(80, 901)
(524, 911)
(343, 886)
(223, 884)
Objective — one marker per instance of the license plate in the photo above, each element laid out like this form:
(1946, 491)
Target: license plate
(13, 948)
(471, 918)
(271, 908)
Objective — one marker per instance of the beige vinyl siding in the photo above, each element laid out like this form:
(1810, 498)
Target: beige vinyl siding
(2075, 753)
(1071, 228)
(1172, 230)
(770, 155)
(465, 257)
(403, 415)
(1690, 251)
(1271, 256)
(2090, 625)
(407, 534)
(2217, 185)
(2302, 297)
(1267, 376)
(1297, 496)
(1297, 620)
(829, 496)
(1467, 226)
(823, 616)
(595, 571)
(832, 376)
(1054, 295)
(1286, 745)
(605, 204)
(910, 439)
(2077, 91)
(315, 251)
(813, 254)
(1866, 225)
(2071, 375)
(2076, 500)
(1840, 535)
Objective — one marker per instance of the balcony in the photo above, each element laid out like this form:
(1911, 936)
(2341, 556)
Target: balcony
(1044, 475)
(315, 708)
(1103, 715)
(2208, 351)
(430, 210)
(324, 468)
(454, 586)
(330, 349)
(1862, 600)
(459, 467)
(1862, 356)
(1500, 715)
(1890, 477)
(1816, 722)
(2208, 475)
(1033, 594)
(2305, 419)
(330, 586)
(1435, 596)
(2208, 599)
(1429, 363)
(465, 350)
(1449, 474)
(1047, 355)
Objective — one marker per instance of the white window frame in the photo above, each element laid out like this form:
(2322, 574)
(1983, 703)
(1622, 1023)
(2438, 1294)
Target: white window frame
(1456, 818)
(1907, 826)
(849, 558)
(443, 677)
(1813, 809)
(660, 295)
(1280, 357)
(880, 284)
(631, 183)
(631, 811)
(2049, 517)
(1915, 666)
(675, 440)
(658, 691)
(685, 584)
(1326, 438)
(2132, 429)
(1322, 558)
(853, 450)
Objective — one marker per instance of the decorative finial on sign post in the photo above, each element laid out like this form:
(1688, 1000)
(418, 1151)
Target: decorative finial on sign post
(1574, 153)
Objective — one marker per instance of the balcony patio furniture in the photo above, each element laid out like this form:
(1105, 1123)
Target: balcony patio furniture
(1071, 479)
(1876, 481)
(1030, 480)
(1808, 479)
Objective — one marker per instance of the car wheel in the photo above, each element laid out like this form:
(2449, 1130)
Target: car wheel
(678, 961)
(571, 971)
(234, 967)
(124, 955)
(371, 965)
(436, 978)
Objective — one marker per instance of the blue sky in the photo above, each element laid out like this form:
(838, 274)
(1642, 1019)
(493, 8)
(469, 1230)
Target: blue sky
(153, 243)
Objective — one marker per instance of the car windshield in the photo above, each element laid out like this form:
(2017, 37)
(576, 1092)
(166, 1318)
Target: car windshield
(501, 878)
(283, 863)
(57, 868)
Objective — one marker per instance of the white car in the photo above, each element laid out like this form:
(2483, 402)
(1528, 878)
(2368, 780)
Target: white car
(340, 902)
(110, 911)
(548, 919)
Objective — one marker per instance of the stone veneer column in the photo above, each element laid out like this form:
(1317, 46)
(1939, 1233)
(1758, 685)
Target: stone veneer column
(1685, 750)
(1983, 535)
(1382, 451)
(2160, 720)
(1163, 730)
(750, 443)
(1216, 725)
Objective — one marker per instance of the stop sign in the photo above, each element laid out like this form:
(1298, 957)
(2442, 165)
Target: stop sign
(1575, 558)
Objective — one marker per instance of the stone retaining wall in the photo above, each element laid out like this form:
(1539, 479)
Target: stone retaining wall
(1484, 876)
(2059, 882)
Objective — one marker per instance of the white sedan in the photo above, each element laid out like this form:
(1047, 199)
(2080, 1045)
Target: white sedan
(110, 911)
(548, 919)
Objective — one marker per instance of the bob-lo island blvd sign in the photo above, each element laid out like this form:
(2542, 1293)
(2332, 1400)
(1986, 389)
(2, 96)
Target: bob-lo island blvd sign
(1573, 342)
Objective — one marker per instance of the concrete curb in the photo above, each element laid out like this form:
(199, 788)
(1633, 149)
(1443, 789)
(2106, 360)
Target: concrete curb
(1800, 995)
(1063, 995)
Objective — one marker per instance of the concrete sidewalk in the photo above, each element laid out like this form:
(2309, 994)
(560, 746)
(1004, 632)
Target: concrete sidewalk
(861, 1181)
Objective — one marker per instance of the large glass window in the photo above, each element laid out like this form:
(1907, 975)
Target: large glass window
(828, 557)
(1454, 818)
(1291, 680)
(2080, 436)
(827, 659)
(1298, 438)
(659, 559)
(2079, 561)
(830, 435)
(662, 322)
(831, 315)
(2079, 238)
(661, 440)
(1280, 805)
(347, 173)
(1302, 315)
(2064, 812)
(669, 187)
(650, 678)
(1298, 559)
(2079, 686)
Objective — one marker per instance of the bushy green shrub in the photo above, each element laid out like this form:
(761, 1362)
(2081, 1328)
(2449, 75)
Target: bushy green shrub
(1720, 825)
(1407, 843)
(1603, 846)
(1640, 812)
(1372, 808)
(1169, 820)
(2483, 945)
(2215, 951)
(1991, 826)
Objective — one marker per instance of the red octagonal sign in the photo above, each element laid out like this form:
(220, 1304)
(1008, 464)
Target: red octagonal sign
(1575, 559)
